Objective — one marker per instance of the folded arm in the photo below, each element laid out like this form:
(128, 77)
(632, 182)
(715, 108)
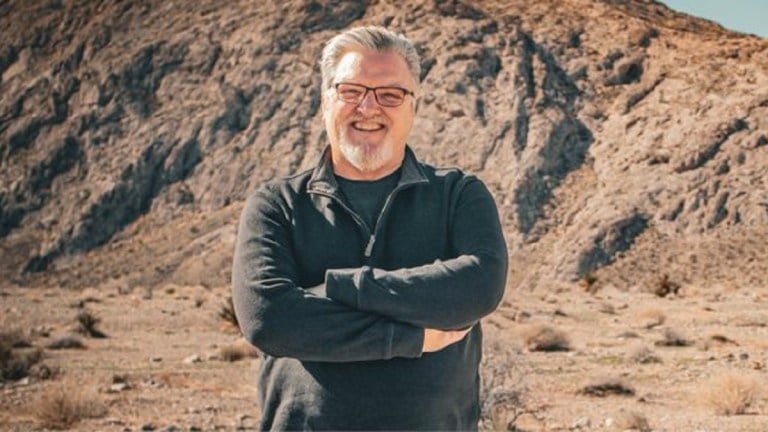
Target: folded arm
(448, 294)
(283, 319)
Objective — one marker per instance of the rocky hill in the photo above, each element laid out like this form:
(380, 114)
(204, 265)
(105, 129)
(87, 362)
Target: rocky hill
(622, 140)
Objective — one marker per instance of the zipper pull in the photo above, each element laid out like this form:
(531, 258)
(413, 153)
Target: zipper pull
(369, 247)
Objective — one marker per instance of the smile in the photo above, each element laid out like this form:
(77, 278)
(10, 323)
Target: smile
(367, 126)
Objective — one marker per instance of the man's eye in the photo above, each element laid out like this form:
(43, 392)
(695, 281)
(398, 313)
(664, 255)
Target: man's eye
(391, 95)
(350, 93)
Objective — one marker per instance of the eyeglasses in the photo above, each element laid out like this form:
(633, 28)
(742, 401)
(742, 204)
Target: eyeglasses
(385, 96)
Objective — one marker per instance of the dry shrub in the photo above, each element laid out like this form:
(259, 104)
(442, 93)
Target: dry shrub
(15, 360)
(62, 406)
(606, 386)
(641, 354)
(86, 324)
(227, 312)
(13, 339)
(672, 339)
(544, 338)
(665, 286)
(730, 394)
(587, 282)
(631, 421)
(238, 351)
(66, 342)
(503, 395)
(650, 318)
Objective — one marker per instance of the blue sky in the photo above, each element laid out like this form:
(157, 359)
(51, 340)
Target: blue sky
(746, 16)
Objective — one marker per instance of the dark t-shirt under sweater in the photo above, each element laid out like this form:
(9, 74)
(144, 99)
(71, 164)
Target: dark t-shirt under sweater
(368, 197)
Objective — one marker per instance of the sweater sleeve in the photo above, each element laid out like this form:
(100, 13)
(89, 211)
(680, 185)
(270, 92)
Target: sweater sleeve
(448, 294)
(283, 319)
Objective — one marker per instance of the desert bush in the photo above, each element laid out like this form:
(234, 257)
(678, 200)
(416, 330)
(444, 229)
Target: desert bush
(587, 282)
(671, 338)
(641, 354)
(503, 394)
(730, 394)
(545, 338)
(19, 363)
(63, 405)
(227, 312)
(15, 359)
(86, 324)
(13, 339)
(238, 351)
(606, 386)
(650, 318)
(66, 342)
(631, 421)
(665, 286)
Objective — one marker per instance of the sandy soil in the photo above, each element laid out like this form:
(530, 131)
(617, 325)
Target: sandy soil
(166, 346)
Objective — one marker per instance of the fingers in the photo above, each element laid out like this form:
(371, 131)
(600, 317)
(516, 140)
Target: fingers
(436, 340)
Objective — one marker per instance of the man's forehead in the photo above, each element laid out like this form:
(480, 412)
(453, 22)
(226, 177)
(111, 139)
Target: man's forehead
(374, 65)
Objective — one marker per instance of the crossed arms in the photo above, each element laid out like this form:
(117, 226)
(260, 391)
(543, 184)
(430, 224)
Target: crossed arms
(365, 313)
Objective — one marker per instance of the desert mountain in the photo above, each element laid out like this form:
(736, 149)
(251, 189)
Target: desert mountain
(621, 139)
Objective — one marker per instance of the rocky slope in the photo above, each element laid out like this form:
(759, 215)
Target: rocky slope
(621, 139)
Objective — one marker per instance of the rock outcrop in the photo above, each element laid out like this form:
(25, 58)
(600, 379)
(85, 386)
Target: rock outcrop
(620, 138)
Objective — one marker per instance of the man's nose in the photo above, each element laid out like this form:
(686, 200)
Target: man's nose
(369, 103)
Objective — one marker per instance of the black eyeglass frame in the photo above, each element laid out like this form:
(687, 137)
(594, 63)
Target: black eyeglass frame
(406, 92)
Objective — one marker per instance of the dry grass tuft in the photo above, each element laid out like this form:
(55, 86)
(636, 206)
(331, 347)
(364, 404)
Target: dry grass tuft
(227, 313)
(730, 394)
(238, 351)
(650, 318)
(86, 324)
(62, 406)
(607, 386)
(544, 338)
(588, 282)
(15, 359)
(13, 339)
(503, 396)
(631, 421)
(66, 342)
(665, 286)
(641, 354)
(672, 339)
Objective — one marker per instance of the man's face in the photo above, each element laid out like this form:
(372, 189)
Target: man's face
(367, 139)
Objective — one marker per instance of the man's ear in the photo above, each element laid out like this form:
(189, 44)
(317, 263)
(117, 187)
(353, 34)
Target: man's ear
(416, 106)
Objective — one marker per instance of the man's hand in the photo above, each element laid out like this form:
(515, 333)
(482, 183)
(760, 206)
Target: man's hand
(435, 340)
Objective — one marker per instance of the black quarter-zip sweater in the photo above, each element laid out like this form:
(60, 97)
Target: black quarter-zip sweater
(339, 311)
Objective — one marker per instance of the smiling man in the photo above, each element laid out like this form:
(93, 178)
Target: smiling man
(363, 280)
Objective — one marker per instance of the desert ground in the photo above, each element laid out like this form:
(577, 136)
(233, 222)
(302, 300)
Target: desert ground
(564, 360)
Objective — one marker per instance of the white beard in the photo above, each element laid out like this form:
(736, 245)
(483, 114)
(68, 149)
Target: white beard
(364, 157)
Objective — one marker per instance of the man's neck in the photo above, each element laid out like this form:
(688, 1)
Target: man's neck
(343, 168)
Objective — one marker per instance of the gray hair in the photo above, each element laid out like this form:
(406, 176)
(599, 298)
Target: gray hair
(371, 37)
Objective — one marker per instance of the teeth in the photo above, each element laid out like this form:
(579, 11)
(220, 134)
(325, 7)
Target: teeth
(367, 126)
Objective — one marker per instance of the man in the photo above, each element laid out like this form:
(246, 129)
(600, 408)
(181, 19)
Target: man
(362, 281)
